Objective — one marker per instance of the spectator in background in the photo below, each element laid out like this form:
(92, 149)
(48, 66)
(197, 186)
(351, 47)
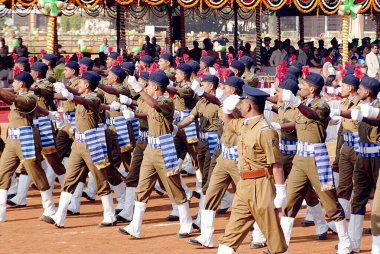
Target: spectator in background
(149, 47)
(303, 53)
(330, 56)
(208, 47)
(60, 50)
(104, 47)
(5, 75)
(315, 60)
(372, 62)
(248, 51)
(4, 50)
(290, 52)
(196, 52)
(354, 60)
(278, 54)
(266, 52)
(157, 48)
(223, 41)
(321, 45)
(21, 50)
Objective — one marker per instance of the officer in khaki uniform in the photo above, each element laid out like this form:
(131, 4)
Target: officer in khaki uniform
(89, 142)
(311, 164)
(260, 167)
(158, 162)
(132, 179)
(366, 170)
(249, 77)
(225, 172)
(50, 60)
(23, 145)
(165, 63)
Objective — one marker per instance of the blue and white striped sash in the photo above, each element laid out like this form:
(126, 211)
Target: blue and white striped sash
(212, 139)
(46, 135)
(288, 147)
(26, 137)
(191, 129)
(166, 144)
(230, 152)
(369, 150)
(69, 117)
(351, 139)
(135, 126)
(122, 133)
(322, 161)
(143, 135)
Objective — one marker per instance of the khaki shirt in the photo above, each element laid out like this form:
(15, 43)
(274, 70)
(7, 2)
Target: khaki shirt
(69, 106)
(160, 120)
(50, 75)
(171, 74)
(313, 131)
(87, 117)
(349, 125)
(369, 133)
(207, 113)
(109, 98)
(250, 80)
(285, 116)
(257, 143)
(22, 110)
(142, 108)
(185, 99)
(46, 98)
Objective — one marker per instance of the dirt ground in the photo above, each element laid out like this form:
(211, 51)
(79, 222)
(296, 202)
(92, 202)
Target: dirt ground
(24, 233)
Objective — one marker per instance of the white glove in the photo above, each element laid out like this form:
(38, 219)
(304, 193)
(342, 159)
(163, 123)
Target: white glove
(276, 126)
(280, 199)
(196, 87)
(176, 114)
(66, 94)
(54, 116)
(125, 100)
(219, 93)
(369, 111)
(115, 106)
(58, 86)
(335, 112)
(288, 96)
(268, 106)
(136, 87)
(175, 130)
(356, 115)
(128, 114)
(230, 103)
(335, 120)
(200, 92)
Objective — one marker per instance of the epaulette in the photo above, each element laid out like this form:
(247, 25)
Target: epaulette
(264, 126)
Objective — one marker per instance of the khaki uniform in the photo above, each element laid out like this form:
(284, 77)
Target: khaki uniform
(304, 173)
(339, 144)
(209, 121)
(347, 156)
(185, 100)
(366, 172)
(50, 75)
(171, 74)
(258, 150)
(250, 79)
(21, 114)
(87, 117)
(152, 167)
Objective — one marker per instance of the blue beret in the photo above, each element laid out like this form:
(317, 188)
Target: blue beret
(88, 62)
(144, 75)
(315, 80)
(297, 65)
(350, 69)
(194, 65)
(253, 93)
(73, 65)
(210, 78)
(22, 60)
(289, 84)
(113, 55)
(238, 65)
(371, 84)
(119, 72)
(185, 68)
(247, 61)
(236, 82)
(128, 66)
(51, 57)
(289, 75)
(352, 80)
(230, 74)
(147, 59)
(294, 71)
(92, 77)
(160, 78)
(208, 60)
(25, 77)
(168, 57)
(40, 67)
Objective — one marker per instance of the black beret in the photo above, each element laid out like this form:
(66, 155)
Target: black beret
(247, 61)
(297, 65)
(147, 59)
(238, 65)
(253, 93)
(92, 77)
(119, 72)
(294, 71)
(185, 68)
(352, 80)
(168, 57)
(371, 84)
(40, 67)
(208, 60)
(25, 77)
(194, 65)
(113, 55)
(315, 80)
(289, 75)
(51, 57)
(22, 60)
(88, 62)
(210, 78)
(160, 78)
(289, 84)
(350, 69)
(128, 66)
(236, 82)
(144, 75)
(73, 65)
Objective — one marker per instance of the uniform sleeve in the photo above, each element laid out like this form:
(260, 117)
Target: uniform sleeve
(195, 111)
(125, 90)
(234, 125)
(323, 110)
(26, 103)
(186, 93)
(269, 143)
(93, 103)
(166, 107)
(47, 91)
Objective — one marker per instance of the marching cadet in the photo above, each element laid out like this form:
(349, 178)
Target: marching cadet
(89, 151)
(160, 158)
(206, 65)
(146, 61)
(23, 144)
(50, 60)
(248, 77)
(261, 188)
(366, 170)
(132, 179)
(311, 164)
(165, 63)
(88, 62)
(112, 57)
(23, 64)
(225, 172)
(237, 67)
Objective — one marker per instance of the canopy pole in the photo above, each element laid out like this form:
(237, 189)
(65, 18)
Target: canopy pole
(236, 43)
(170, 30)
(377, 22)
(183, 29)
(302, 28)
(120, 29)
(345, 37)
(52, 35)
(258, 37)
(279, 28)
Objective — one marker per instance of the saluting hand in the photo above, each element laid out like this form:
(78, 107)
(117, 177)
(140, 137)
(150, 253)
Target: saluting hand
(369, 111)
(288, 96)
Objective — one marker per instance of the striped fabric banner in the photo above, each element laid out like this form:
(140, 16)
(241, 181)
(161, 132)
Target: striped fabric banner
(168, 151)
(122, 134)
(96, 142)
(46, 135)
(27, 143)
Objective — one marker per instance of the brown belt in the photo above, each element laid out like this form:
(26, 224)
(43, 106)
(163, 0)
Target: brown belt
(256, 173)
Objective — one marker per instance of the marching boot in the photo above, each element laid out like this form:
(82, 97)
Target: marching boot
(355, 230)
(3, 204)
(74, 207)
(127, 213)
(22, 189)
(206, 238)
(134, 228)
(109, 218)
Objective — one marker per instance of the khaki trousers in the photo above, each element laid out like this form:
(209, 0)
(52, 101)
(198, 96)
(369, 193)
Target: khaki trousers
(132, 178)
(204, 160)
(347, 161)
(183, 147)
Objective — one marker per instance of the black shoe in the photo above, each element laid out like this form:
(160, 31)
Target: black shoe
(160, 193)
(121, 219)
(10, 196)
(367, 231)
(196, 195)
(222, 211)
(182, 235)
(172, 218)
(257, 245)
(123, 231)
(307, 223)
(14, 205)
(34, 186)
(71, 213)
(47, 219)
(107, 224)
(194, 242)
(183, 172)
(86, 196)
(118, 210)
(322, 236)
(195, 226)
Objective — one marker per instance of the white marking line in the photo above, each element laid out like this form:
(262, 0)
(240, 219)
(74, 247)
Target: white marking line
(165, 224)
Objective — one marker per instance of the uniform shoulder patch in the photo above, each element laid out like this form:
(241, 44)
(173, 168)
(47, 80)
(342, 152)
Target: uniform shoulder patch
(264, 126)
